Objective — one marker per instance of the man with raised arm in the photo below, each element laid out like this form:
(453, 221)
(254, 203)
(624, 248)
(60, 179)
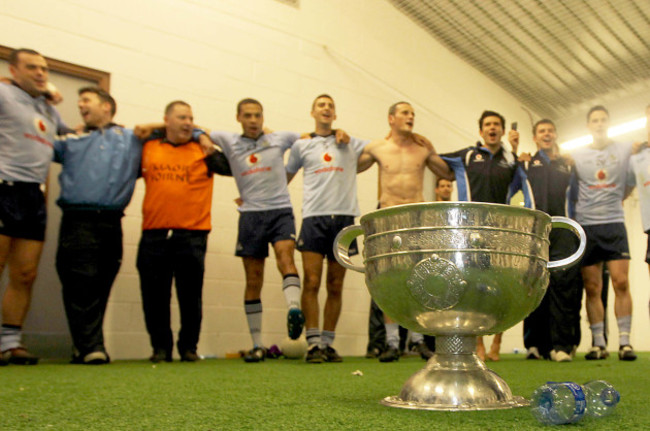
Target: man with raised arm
(28, 125)
(486, 173)
(266, 216)
(402, 159)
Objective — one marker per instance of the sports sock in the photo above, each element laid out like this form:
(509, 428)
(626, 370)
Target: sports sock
(327, 338)
(10, 336)
(624, 327)
(416, 337)
(313, 336)
(598, 334)
(392, 335)
(291, 289)
(253, 310)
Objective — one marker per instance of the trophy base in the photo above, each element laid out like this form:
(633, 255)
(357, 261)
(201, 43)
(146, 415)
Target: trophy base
(455, 379)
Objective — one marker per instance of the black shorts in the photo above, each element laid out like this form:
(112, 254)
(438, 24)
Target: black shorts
(317, 234)
(605, 242)
(647, 252)
(22, 210)
(259, 228)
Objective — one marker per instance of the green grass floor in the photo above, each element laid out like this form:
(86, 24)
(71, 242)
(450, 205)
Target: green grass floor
(220, 394)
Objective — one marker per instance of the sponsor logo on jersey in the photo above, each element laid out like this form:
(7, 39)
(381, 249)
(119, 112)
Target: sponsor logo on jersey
(253, 159)
(327, 158)
(40, 126)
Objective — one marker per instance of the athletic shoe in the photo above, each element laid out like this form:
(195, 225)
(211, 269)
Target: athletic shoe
(189, 356)
(423, 350)
(560, 356)
(160, 355)
(533, 353)
(390, 354)
(314, 355)
(19, 356)
(96, 358)
(597, 352)
(295, 322)
(3, 362)
(256, 354)
(626, 353)
(330, 355)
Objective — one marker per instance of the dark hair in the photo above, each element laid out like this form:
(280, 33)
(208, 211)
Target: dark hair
(171, 105)
(313, 105)
(393, 107)
(103, 96)
(13, 57)
(486, 114)
(597, 108)
(438, 179)
(247, 101)
(542, 121)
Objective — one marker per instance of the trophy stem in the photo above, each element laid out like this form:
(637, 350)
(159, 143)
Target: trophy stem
(455, 379)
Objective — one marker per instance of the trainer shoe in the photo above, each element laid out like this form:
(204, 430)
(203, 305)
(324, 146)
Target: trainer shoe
(189, 356)
(423, 350)
(626, 353)
(160, 355)
(19, 356)
(3, 362)
(533, 353)
(256, 354)
(96, 358)
(560, 356)
(597, 352)
(295, 322)
(314, 355)
(330, 354)
(390, 354)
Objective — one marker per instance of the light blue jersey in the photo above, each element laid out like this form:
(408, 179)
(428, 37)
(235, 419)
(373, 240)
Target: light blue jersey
(640, 173)
(28, 126)
(258, 168)
(330, 171)
(600, 183)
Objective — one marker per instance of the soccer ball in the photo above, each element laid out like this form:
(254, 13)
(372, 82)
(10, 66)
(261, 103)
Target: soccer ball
(294, 349)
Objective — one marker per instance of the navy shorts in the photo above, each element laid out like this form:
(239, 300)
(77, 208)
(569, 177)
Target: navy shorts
(22, 210)
(317, 234)
(259, 228)
(605, 242)
(647, 253)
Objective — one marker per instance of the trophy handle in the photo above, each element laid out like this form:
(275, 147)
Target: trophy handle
(566, 223)
(342, 246)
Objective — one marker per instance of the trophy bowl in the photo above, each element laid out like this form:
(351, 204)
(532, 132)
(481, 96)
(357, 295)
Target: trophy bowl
(456, 270)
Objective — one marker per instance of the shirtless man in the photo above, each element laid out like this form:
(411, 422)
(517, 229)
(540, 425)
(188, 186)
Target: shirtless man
(401, 161)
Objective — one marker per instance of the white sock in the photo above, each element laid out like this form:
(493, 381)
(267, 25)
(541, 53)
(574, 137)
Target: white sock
(291, 289)
(253, 310)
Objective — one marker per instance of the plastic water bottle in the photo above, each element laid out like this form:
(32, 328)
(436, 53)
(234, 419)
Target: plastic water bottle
(601, 398)
(558, 403)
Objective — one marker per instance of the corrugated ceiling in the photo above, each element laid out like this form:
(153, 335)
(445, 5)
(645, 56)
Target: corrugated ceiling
(556, 56)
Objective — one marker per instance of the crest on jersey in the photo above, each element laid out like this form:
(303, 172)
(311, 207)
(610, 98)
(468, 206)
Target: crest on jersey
(253, 159)
(537, 163)
(40, 126)
(327, 158)
(601, 175)
(478, 158)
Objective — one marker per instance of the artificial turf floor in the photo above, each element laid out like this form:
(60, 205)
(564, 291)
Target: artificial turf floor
(281, 394)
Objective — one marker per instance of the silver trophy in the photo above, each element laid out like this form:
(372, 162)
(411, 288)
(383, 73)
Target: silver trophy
(456, 270)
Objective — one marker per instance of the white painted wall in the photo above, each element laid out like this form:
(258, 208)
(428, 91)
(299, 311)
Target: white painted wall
(364, 53)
